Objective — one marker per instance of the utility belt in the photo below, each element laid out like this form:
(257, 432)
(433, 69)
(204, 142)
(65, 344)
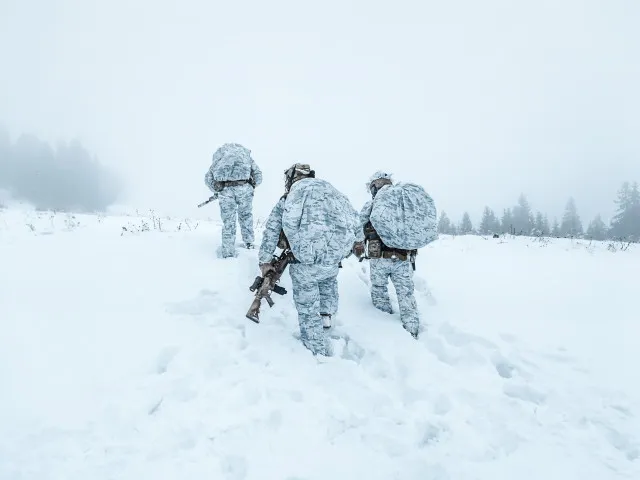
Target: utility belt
(219, 185)
(403, 255)
(377, 249)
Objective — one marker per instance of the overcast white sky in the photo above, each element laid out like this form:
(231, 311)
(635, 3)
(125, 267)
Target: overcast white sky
(477, 101)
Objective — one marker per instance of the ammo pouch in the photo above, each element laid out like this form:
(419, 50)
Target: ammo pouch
(374, 243)
(403, 255)
(374, 248)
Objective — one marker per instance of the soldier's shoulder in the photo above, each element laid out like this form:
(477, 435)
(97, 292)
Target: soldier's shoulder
(367, 206)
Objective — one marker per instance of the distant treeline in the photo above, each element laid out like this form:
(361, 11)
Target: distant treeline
(67, 178)
(520, 220)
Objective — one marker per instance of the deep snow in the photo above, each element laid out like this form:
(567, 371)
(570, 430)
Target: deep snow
(126, 355)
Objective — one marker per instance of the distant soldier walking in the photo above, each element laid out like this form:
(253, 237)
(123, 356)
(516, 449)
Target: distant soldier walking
(397, 221)
(232, 177)
(319, 224)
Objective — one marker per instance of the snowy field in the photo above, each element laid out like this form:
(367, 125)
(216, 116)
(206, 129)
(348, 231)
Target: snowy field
(125, 354)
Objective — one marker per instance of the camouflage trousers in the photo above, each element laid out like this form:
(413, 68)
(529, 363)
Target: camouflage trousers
(401, 274)
(235, 202)
(315, 291)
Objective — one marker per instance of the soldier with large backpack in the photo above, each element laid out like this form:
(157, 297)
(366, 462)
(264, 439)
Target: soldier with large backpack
(232, 177)
(320, 226)
(396, 222)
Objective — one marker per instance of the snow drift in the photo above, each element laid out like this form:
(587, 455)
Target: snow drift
(125, 354)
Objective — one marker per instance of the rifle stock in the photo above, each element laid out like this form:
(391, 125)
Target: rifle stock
(211, 199)
(264, 286)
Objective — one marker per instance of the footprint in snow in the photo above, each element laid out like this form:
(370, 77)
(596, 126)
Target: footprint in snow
(422, 288)
(624, 443)
(461, 339)
(363, 275)
(220, 257)
(506, 368)
(437, 347)
(525, 393)
(350, 350)
(342, 344)
(164, 359)
(431, 434)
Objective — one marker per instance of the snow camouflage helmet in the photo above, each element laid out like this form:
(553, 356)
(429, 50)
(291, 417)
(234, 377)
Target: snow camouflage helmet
(377, 181)
(295, 172)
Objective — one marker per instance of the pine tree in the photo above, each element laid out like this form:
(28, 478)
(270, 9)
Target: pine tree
(496, 228)
(619, 223)
(571, 223)
(635, 213)
(539, 225)
(545, 226)
(522, 218)
(489, 223)
(626, 223)
(7, 170)
(555, 231)
(597, 229)
(465, 225)
(507, 221)
(444, 224)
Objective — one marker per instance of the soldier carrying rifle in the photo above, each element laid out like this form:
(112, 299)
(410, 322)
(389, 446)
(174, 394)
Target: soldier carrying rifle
(320, 226)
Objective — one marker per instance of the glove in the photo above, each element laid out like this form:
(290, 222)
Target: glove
(358, 249)
(266, 268)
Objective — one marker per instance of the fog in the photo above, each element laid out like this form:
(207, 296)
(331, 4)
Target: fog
(477, 101)
(64, 178)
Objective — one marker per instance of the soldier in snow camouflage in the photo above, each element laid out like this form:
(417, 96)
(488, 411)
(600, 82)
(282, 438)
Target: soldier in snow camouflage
(232, 177)
(319, 225)
(387, 263)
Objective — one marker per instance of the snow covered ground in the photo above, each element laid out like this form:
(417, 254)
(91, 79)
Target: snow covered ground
(125, 354)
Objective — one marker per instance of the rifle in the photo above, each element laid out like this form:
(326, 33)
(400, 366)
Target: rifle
(264, 286)
(211, 199)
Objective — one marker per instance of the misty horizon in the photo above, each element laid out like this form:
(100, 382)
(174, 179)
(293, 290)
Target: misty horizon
(477, 103)
(47, 163)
